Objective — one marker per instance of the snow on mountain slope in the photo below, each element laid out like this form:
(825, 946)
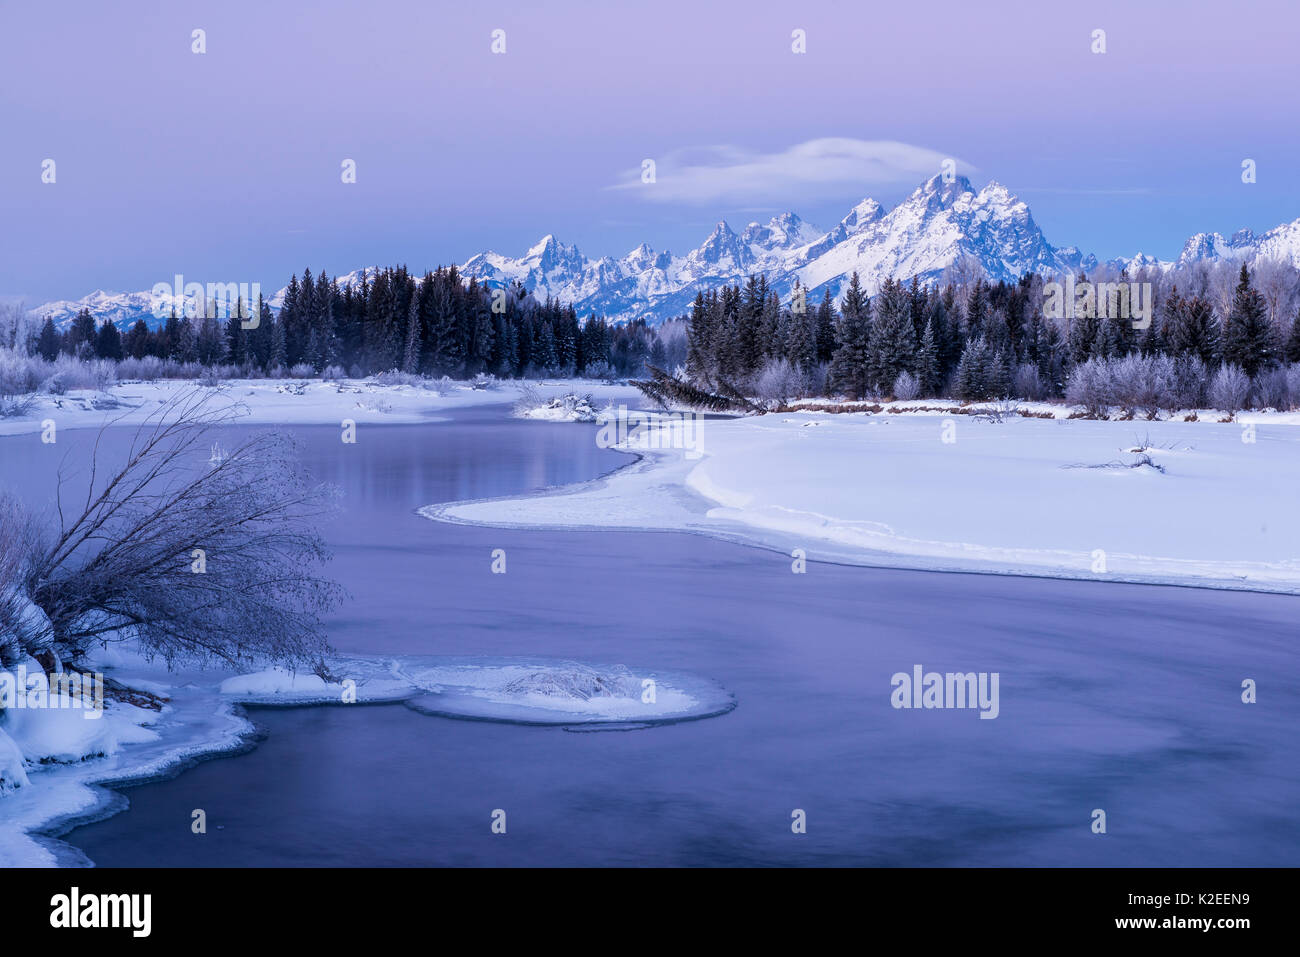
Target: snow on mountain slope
(939, 224)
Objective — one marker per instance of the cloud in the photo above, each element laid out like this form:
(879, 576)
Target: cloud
(817, 169)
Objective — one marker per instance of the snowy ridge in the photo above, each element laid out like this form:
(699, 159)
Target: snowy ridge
(939, 224)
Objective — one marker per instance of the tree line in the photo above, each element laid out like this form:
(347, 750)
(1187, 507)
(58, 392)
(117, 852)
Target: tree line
(437, 324)
(975, 340)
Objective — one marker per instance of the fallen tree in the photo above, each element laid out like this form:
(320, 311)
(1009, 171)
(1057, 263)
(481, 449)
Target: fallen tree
(667, 390)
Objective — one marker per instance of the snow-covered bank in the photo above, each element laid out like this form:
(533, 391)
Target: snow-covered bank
(57, 763)
(297, 401)
(1201, 503)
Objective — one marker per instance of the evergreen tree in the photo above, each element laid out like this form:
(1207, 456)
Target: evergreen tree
(186, 346)
(1248, 339)
(237, 335)
(699, 340)
(47, 344)
(170, 337)
(892, 345)
(851, 364)
(927, 361)
(825, 327)
(80, 339)
(411, 353)
(1190, 329)
(970, 381)
(278, 356)
(977, 306)
(108, 342)
(1292, 343)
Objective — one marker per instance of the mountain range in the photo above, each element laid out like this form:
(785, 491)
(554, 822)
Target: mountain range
(943, 221)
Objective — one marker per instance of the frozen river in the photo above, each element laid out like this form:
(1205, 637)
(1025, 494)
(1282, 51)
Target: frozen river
(1122, 698)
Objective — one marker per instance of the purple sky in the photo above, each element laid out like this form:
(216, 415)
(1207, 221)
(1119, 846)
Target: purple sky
(225, 166)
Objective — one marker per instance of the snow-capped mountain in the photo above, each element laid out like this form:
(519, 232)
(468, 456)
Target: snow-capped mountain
(938, 225)
(120, 308)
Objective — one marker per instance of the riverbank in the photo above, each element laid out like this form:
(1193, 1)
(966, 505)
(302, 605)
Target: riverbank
(1202, 503)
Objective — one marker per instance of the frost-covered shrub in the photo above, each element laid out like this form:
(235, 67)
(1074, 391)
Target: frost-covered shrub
(817, 377)
(67, 373)
(1293, 386)
(485, 380)
(1186, 389)
(529, 398)
(13, 406)
(1139, 383)
(906, 387)
(395, 377)
(20, 374)
(599, 369)
(146, 369)
(333, 373)
(1229, 388)
(1270, 389)
(1027, 383)
(302, 371)
(777, 381)
(1090, 385)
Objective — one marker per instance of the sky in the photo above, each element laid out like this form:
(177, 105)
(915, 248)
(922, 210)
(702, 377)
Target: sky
(226, 165)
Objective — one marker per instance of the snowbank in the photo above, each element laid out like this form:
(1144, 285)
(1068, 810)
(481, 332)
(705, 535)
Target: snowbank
(65, 734)
(1201, 502)
(12, 772)
(293, 401)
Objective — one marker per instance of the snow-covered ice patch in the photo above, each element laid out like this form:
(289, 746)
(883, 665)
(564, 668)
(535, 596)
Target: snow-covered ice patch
(560, 692)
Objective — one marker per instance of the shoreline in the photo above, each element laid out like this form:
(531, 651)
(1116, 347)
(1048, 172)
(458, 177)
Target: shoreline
(89, 793)
(665, 491)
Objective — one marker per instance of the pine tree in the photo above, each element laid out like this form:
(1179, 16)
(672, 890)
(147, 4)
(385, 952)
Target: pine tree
(998, 377)
(80, 339)
(892, 346)
(108, 342)
(170, 338)
(1190, 329)
(970, 381)
(851, 364)
(544, 357)
(186, 347)
(411, 354)
(800, 339)
(47, 344)
(977, 306)
(279, 353)
(237, 335)
(825, 327)
(927, 361)
(1248, 339)
(699, 340)
(1292, 344)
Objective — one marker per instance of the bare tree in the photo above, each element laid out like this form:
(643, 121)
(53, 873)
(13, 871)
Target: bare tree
(200, 553)
(20, 545)
(1276, 281)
